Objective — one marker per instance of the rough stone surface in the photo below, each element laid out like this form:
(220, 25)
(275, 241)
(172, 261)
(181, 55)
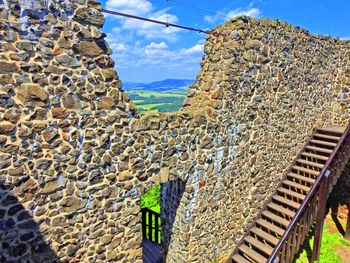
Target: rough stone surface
(89, 48)
(89, 15)
(75, 157)
(6, 68)
(32, 95)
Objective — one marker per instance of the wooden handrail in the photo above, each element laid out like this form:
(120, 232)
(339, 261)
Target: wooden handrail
(284, 176)
(320, 179)
(148, 229)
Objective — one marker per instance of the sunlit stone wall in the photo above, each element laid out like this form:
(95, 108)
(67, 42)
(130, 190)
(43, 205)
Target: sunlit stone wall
(75, 156)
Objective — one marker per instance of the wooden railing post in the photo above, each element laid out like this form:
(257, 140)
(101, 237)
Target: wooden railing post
(156, 228)
(323, 193)
(347, 231)
(152, 227)
(144, 225)
(312, 209)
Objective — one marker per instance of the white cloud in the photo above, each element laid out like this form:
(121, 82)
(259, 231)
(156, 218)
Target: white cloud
(130, 55)
(134, 7)
(249, 11)
(142, 48)
(253, 12)
(143, 28)
(161, 45)
(197, 49)
(345, 38)
(151, 30)
(214, 18)
(157, 50)
(118, 47)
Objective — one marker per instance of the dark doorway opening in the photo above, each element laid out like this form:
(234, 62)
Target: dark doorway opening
(159, 207)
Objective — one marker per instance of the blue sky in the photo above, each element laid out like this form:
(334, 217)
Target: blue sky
(145, 52)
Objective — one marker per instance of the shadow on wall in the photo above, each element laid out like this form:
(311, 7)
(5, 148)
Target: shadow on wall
(171, 194)
(20, 237)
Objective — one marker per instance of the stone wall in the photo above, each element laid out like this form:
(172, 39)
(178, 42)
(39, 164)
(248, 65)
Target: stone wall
(77, 157)
(171, 194)
(61, 105)
(276, 82)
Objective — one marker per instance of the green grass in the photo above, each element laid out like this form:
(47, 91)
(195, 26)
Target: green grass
(151, 199)
(148, 107)
(148, 94)
(331, 243)
(149, 101)
(138, 102)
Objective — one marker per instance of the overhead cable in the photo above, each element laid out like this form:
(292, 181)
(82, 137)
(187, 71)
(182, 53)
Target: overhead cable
(156, 21)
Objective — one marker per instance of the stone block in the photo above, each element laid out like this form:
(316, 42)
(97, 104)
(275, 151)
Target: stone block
(89, 15)
(67, 61)
(32, 95)
(7, 68)
(88, 48)
(6, 127)
(72, 204)
(164, 174)
(105, 103)
(71, 101)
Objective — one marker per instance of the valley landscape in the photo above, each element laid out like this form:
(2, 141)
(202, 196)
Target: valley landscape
(161, 96)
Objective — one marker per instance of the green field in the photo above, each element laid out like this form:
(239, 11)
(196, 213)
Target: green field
(150, 101)
(333, 247)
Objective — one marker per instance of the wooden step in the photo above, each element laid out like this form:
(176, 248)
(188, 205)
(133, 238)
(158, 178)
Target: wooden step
(318, 165)
(259, 245)
(296, 185)
(291, 193)
(279, 231)
(286, 201)
(281, 209)
(252, 254)
(317, 149)
(264, 235)
(315, 156)
(276, 218)
(331, 144)
(336, 130)
(261, 239)
(239, 259)
(328, 137)
(301, 177)
(305, 170)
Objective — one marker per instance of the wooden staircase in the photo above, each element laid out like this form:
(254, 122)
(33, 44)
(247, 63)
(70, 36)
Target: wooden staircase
(298, 201)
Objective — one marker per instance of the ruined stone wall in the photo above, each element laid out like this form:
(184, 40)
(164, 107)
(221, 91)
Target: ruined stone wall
(276, 82)
(60, 107)
(75, 157)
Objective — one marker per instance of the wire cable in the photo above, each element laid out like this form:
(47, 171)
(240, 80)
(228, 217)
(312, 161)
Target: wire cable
(167, 11)
(156, 21)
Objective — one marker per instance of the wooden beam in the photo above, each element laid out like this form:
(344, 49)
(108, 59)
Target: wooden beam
(144, 225)
(347, 231)
(150, 227)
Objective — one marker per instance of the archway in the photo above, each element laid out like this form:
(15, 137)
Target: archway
(159, 206)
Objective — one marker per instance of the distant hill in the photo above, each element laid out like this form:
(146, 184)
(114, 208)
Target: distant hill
(168, 85)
